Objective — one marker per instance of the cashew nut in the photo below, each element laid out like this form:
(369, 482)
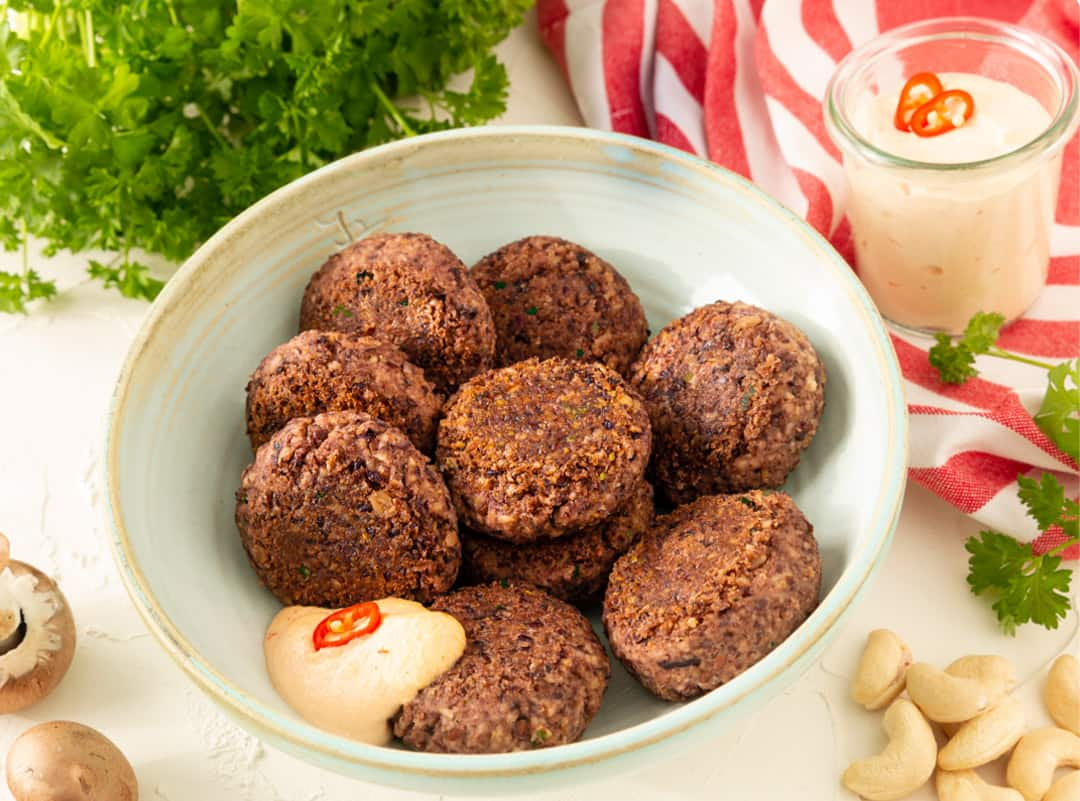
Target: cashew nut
(905, 764)
(1063, 692)
(984, 738)
(1038, 754)
(966, 688)
(880, 675)
(987, 668)
(1067, 788)
(967, 785)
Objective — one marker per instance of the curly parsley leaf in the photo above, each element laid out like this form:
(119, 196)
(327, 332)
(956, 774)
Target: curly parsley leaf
(131, 279)
(1059, 414)
(1027, 587)
(18, 289)
(982, 332)
(955, 361)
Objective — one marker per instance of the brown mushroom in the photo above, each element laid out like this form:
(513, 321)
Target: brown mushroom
(65, 761)
(37, 634)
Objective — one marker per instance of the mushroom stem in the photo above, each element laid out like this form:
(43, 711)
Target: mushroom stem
(11, 629)
(10, 614)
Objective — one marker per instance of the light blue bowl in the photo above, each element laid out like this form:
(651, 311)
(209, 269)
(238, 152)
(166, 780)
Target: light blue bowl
(683, 232)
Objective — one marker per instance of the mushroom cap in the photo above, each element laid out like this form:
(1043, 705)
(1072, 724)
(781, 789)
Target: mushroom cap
(66, 761)
(19, 693)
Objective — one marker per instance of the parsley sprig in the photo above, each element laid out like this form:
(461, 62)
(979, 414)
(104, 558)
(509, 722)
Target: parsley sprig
(18, 289)
(128, 126)
(1026, 587)
(1059, 414)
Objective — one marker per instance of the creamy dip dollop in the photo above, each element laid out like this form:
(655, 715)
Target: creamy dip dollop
(933, 247)
(354, 689)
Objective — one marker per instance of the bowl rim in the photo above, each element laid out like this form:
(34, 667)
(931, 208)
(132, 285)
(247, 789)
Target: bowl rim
(813, 632)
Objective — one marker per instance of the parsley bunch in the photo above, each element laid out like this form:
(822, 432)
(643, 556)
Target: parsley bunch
(133, 125)
(1027, 588)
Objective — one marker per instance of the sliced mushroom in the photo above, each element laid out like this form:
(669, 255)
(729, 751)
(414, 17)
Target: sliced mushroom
(37, 634)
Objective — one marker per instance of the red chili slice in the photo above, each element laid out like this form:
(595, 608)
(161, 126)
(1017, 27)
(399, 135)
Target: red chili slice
(920, 88)
(946, 112)
(345, 625)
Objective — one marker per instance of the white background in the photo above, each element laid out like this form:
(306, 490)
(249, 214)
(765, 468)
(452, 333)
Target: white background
(57, 368)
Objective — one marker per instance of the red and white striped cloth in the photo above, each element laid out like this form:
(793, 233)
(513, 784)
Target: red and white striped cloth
(741, 82)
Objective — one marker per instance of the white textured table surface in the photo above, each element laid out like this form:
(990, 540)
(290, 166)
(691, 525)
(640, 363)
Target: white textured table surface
(57, 368)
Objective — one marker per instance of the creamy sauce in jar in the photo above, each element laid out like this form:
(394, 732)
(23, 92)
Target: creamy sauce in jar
(935, 247)
(354, 689)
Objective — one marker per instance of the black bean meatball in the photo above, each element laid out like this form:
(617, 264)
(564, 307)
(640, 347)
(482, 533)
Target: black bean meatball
(532, 676)
(734, 395)
(327, 371)
(549, 297)
(410, 291)
(712, 588)
(341, 508)
(539, 449)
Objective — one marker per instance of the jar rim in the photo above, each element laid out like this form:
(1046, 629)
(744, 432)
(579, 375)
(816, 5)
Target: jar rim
(1048, 55)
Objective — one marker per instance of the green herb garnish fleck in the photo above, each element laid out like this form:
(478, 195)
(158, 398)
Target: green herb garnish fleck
(500, 285)
(532, 310)
(341, 311)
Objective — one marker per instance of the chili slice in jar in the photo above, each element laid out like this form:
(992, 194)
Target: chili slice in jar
(945, 112)
(920, 88)
(345, 625)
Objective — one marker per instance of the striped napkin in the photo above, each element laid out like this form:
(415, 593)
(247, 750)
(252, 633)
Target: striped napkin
(741, 82)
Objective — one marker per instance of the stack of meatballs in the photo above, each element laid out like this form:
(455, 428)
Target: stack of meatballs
(550, 420)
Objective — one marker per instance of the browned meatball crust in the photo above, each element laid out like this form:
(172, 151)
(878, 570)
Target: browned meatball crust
(532, 676)
(712, 588)
(411, 291)
(549, 297)
(341, 508)
(538, 449)
(734, 395)
(327, 371)
(575, 567)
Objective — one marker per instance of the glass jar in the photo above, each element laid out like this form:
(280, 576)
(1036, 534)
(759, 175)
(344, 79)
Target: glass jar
(938, 239)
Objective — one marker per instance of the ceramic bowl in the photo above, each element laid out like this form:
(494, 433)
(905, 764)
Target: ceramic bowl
(682, 231)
